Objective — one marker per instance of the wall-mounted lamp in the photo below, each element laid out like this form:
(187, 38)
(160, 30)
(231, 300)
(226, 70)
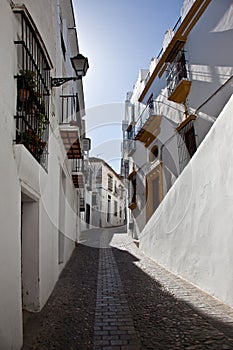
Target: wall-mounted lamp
(80, 65)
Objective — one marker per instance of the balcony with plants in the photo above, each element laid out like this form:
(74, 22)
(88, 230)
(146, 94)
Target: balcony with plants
(147, 126)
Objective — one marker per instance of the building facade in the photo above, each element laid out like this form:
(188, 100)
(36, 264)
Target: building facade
(107, 200)
(175, 110)
(42, 133)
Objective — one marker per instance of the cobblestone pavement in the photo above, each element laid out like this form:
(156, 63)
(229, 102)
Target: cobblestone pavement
(111, 297)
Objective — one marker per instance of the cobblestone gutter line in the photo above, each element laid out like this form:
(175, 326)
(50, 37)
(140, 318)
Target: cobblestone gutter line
(114, 327)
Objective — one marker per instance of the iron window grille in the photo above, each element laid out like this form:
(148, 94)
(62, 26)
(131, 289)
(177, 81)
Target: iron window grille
(33, 84)
(186, 144)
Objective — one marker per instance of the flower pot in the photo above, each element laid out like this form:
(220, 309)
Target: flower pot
(23, 95)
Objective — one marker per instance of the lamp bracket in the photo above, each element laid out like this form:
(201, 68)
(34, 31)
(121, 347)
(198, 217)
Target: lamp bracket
(56, 82)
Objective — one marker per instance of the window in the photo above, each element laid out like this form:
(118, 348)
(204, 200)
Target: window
(110, 182)
(186, 142)
(109, 209)
(115, 208)
(115, 189)
(98, 178)
(33, 85)
(121, 191)
(94, 199)
(132, 190)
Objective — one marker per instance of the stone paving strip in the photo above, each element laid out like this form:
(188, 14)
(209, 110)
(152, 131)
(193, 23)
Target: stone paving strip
(114, 327)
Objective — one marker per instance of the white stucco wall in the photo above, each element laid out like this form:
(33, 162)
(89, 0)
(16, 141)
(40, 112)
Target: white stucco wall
(191, 232)
(10, 269)
(34, 239)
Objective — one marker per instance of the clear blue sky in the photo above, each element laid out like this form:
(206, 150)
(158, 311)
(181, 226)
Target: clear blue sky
(119, 38)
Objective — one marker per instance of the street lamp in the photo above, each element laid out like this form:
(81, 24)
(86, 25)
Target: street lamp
(80, 66)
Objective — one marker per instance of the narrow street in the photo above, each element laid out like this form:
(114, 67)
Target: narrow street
(110, 296)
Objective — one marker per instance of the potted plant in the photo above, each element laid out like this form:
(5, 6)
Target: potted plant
(26, 83)
(42, 126)
(34, 139)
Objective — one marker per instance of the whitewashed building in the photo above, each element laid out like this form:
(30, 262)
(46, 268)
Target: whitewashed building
(107, 202)
(177, 132)
(41, 139)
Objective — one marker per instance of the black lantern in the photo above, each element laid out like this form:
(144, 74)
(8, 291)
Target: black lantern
(80, 66)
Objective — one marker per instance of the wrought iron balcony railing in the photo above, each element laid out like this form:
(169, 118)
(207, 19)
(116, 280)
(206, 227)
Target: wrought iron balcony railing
(71, 126)
(77, 166)
(178, 82)
(70, 110)
(148, 124)
(78, 173)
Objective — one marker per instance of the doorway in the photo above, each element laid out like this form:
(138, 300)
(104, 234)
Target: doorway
(30, 253)
(154, 193)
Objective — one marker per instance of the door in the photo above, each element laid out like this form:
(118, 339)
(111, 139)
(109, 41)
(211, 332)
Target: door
(154, 190)
(30, 254)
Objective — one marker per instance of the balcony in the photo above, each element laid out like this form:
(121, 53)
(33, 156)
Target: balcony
(70, 126)
(181, 32)
(147, 126)
(131, 147)
(81, 200)
(78, 173)
(178, 83)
